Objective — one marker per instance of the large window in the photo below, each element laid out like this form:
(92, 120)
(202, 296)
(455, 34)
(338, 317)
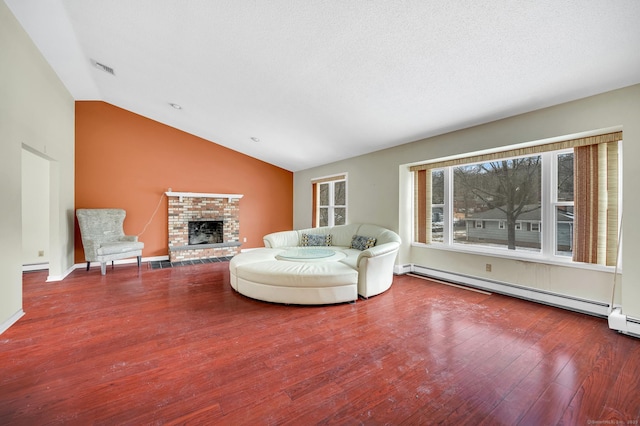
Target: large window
(330, 201)
(556, 200)
(495, 202)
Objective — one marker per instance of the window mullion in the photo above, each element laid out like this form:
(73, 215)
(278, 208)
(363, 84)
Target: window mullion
(447, 230)
(548, 201)
(332, 203)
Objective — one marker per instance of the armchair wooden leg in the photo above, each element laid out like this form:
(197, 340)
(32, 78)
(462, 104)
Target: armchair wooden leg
(88, 264)
(139, 260)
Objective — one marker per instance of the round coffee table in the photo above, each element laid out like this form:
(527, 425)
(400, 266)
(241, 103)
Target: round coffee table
(310, 254)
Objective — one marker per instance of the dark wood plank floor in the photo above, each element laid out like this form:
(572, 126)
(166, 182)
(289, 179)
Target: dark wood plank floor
(179, 346)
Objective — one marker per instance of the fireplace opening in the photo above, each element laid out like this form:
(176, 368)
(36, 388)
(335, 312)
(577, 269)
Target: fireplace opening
(206, 232)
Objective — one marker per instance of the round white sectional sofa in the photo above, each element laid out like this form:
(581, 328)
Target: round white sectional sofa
(345, 268)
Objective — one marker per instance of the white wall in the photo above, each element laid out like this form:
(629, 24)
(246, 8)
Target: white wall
(35, 209)
(378, 193)
(38, 112)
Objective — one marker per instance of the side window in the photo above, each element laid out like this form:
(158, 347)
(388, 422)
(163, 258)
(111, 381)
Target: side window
(330, 200)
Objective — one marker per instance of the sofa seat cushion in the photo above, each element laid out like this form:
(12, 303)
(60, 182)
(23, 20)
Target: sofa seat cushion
(298, 274)
(116, 247)
(352, 257)
(253, 256)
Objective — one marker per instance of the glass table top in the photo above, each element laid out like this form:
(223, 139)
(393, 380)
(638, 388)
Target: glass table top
(301, 253)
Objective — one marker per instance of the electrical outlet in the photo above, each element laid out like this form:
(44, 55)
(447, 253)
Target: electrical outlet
(245, 239)
(488, 267)
(40, 253)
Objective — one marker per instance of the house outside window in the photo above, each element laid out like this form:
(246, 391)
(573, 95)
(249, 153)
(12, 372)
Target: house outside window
(330, 201)
(499, 202)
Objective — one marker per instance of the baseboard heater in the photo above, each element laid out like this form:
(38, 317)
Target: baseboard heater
(624, 324)
(572, 303)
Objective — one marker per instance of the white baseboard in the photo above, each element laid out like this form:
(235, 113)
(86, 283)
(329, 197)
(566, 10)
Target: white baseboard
(572, 303)
(402, 269)
(153, 258)
(97, 265)
(53, 278)
(11, 320)
(35, 267)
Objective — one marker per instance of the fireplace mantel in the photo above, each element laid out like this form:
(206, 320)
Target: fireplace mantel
(203, 195)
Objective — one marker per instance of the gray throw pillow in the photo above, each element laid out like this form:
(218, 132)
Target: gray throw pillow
(315, 240)
(359, 242)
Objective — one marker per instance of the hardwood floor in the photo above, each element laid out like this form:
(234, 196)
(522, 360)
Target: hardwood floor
(179, 346)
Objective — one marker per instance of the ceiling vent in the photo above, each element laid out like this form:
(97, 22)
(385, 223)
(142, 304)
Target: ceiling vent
(103, 67)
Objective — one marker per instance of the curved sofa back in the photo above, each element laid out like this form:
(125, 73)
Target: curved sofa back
(341, 235)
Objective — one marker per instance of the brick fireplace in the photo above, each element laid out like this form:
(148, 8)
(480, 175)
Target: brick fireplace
(213, 221)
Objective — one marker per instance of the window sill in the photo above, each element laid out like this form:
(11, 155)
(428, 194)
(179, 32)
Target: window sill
(517, 255)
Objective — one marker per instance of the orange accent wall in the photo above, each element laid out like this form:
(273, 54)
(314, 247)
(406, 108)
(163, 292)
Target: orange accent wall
(124, 160)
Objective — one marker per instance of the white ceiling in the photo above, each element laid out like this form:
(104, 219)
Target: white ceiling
(319, 81)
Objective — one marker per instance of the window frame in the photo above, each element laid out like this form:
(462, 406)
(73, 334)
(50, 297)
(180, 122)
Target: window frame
(331, 181)
(549, 189)
(555, 203)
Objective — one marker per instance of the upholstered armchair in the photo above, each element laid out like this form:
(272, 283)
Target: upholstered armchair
(103, 237)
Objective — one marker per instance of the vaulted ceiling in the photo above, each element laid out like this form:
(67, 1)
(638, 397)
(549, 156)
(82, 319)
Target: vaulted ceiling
(302, 83)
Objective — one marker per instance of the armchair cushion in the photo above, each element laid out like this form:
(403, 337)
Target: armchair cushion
(118, 247)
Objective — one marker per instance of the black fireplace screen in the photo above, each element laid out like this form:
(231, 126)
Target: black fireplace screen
(205, 232)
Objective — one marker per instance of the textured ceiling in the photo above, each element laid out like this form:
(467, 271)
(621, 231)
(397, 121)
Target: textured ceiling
(318, 81)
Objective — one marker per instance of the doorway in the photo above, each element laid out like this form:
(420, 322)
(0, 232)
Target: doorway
(35, 211)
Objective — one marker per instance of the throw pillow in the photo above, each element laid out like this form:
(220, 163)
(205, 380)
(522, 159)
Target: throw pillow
(315, 240)
(359, 242)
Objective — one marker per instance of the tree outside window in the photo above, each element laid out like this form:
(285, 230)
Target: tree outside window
(332, 203)
(500, 193)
